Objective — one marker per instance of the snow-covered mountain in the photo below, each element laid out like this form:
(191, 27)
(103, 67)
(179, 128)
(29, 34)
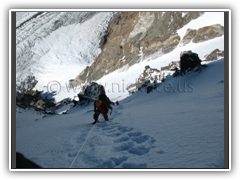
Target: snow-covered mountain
(55, 47)
(180, 124)
(133, 37)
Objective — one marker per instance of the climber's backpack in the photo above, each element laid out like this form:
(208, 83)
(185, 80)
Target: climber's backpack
(106, 99)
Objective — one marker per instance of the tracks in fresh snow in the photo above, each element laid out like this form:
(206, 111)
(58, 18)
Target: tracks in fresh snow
(112, 145)
(126, 143)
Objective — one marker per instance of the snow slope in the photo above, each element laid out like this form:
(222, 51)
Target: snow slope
(61, 54)
(167, 128)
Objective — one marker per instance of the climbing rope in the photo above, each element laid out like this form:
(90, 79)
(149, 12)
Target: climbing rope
(81, 147)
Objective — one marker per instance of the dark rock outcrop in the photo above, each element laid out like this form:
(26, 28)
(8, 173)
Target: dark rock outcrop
(148, 86)
(34, 99)
(188, 61)
(29, 98)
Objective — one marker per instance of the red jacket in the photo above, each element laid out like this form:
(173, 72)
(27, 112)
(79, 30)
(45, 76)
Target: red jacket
(103, 108)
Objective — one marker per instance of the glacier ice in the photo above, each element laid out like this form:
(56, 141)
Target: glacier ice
(52, 42)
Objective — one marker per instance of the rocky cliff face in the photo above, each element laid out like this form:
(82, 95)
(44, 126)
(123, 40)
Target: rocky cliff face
(214, 55)
(133, 36)
(202, 34)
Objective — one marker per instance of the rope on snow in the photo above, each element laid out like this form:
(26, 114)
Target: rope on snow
(81, 147)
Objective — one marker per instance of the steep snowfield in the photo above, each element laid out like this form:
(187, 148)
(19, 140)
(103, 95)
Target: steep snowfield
(58, 55)
(167, 128)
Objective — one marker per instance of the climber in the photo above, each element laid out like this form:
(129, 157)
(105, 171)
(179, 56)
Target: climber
(100, 106)
(104, 97)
